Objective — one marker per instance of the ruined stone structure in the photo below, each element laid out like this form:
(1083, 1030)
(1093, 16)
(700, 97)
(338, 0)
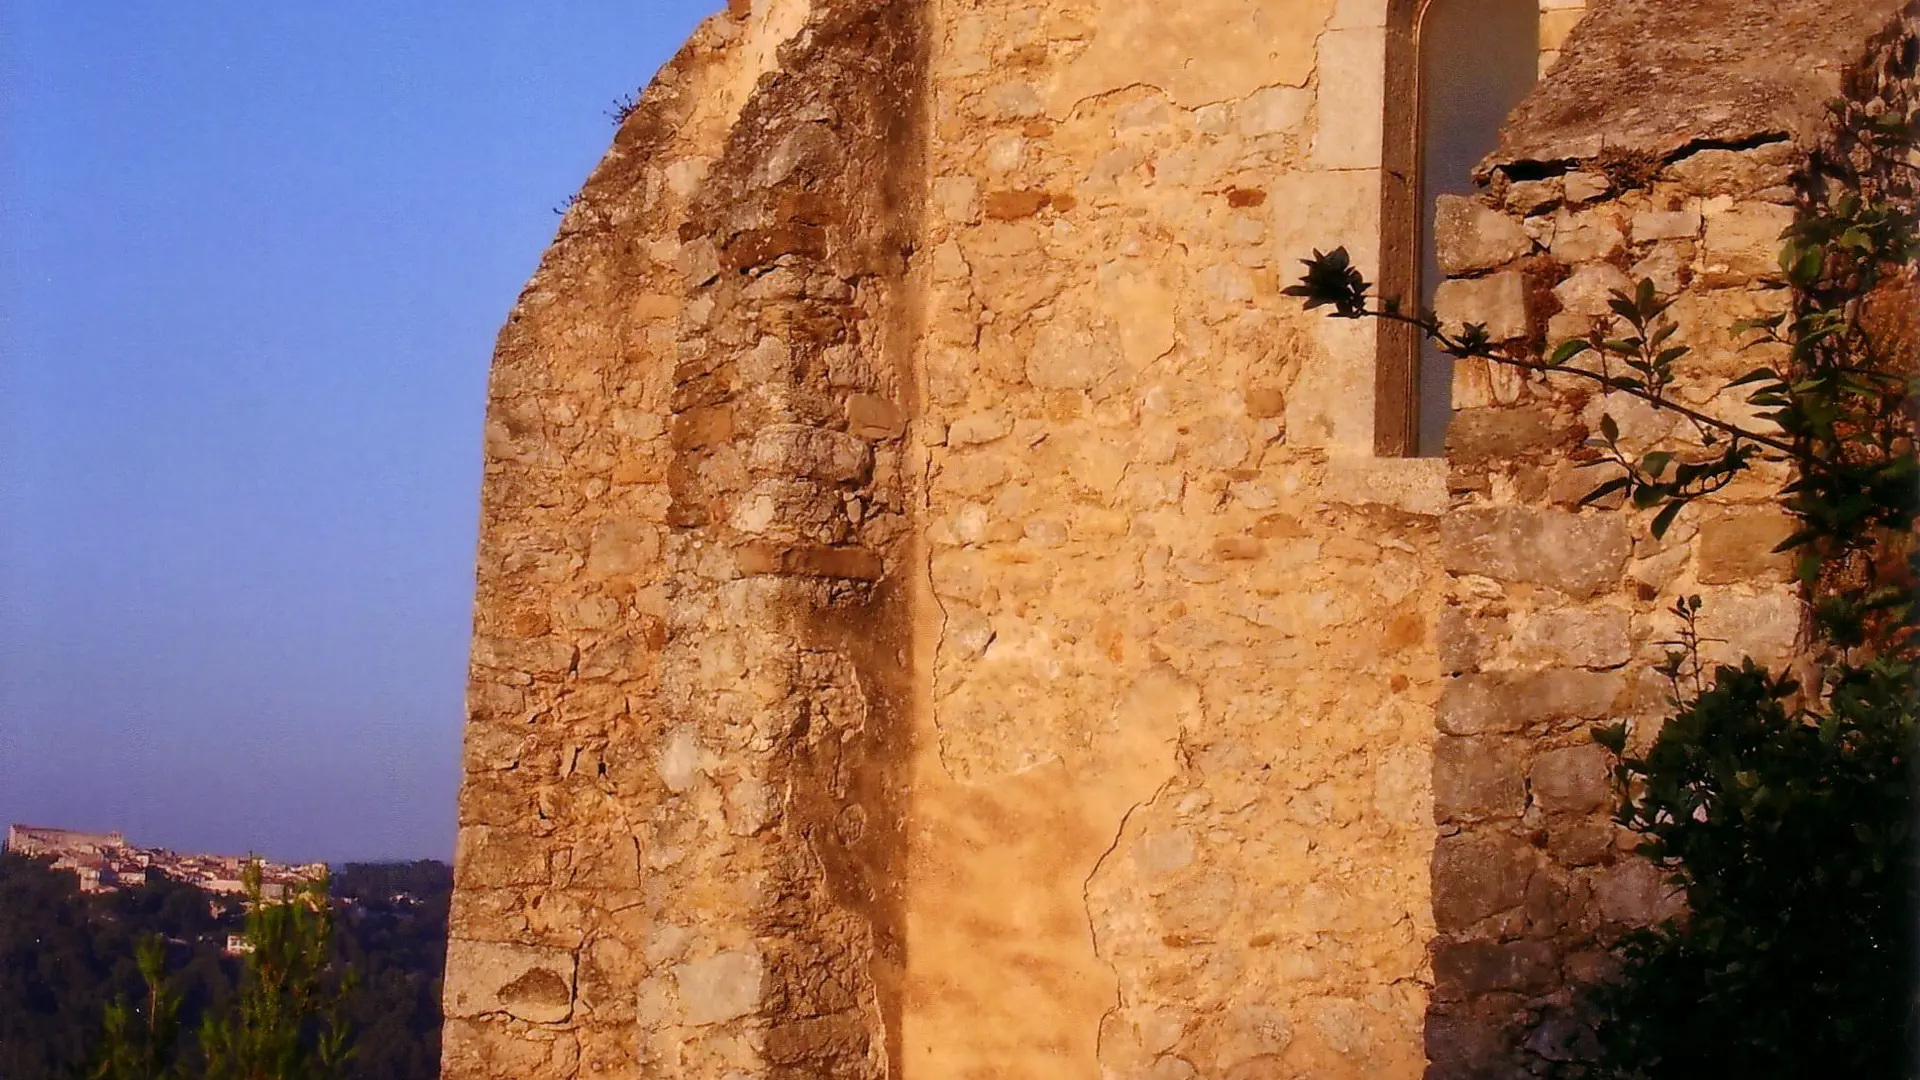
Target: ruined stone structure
(943, 613)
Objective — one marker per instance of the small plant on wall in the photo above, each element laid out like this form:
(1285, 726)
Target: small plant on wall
(1782, 807)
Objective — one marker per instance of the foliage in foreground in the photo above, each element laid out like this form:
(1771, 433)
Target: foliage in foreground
(65, 956)
(287, 1022)
(1782, 807)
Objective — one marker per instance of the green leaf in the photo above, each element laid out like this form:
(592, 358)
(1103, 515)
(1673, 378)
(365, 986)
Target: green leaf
(1609, 428)
(1567, 350)
(1655, 463)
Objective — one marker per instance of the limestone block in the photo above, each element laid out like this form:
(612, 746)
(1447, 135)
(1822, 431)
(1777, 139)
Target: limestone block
(1468, 968)
(1469, 237)
(1587, 238)
(1478, 777)
(477, 1048)
(1580, 841)
(1743, 243)
(810, 560)
(1311, 210)
(1665, 266)
(1765, 627)
(1273, 110)
(957, 198)
(1411, 485)
(1633, 892)
(1070, 356)
(1498, 302)
(622, 546)
(981, 427)
(801, 450)
(1530, 197)
(1352, 109)
(1573, 779)
(1650, 225)
(1402, 788)
(1482, 437)
(1575, 637)
(1247, 44)
(1501, 703)
(719, 988)
(524, 981)
(1582, 556)
(490, 857)
(1350, 14)
(1331, 404)
(871, 417)
(1737, 546)
(1465, 639)
(1584, 187)
(532, 656)
(1555, 25)
(1477, 874)
(1707, 173)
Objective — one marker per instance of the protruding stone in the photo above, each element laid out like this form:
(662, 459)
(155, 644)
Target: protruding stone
(1708, 173)
(524, 981)
(1744, 243)
(1650, 225)
(1498, 302)
(1497, 703)
(1587, 238)
(1582, 556)
(1575, 779)
(1530, 197)
(1588, 290)
(1469, 237)
(1585, 187)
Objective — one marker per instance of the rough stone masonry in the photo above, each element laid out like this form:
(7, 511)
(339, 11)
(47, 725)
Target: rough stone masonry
(939, 611)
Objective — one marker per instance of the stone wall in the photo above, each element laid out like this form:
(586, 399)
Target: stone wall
(939, 612)
(681, 800)
(1170, 817)
(1556, 614)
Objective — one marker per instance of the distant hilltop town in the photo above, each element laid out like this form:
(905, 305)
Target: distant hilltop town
(106, 861)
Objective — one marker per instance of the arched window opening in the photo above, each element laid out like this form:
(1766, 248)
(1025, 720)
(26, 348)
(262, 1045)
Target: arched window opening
(1455, 69)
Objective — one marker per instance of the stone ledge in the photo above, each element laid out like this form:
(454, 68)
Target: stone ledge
(1412, 485)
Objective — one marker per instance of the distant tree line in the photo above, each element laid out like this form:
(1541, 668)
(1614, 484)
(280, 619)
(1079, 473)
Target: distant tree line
(67, 957)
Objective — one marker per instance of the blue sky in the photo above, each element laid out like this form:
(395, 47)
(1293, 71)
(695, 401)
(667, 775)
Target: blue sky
(252, 260)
